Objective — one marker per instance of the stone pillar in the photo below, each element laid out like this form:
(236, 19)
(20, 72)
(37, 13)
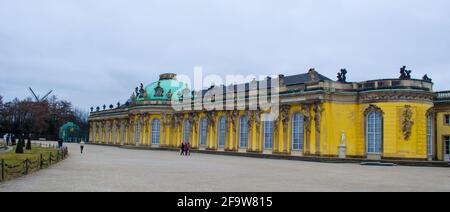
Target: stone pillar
(94, 132)
(317, 119)
(285, 118)
(258, 131)
(307, 122)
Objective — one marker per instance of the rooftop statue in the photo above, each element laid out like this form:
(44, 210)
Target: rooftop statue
(426, 78)
(405, 74)
(342, 76)
(142, 92)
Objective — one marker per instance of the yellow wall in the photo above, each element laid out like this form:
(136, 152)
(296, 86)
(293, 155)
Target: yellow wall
(441, 131)
(334, 118)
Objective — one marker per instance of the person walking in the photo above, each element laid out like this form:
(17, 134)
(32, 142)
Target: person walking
(182, 148)
(81, 146)
(186, 149)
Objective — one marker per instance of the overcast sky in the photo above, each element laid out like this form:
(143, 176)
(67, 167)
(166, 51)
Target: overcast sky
(94, 52)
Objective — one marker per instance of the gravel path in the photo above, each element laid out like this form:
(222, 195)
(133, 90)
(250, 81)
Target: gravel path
(104, 168)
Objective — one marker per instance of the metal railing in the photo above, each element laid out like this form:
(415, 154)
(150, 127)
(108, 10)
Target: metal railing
(443, 94)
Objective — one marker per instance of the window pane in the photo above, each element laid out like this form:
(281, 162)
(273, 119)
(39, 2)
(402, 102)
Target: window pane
(243, 132)
(203, 132)
(447, 145)
(297, 132)
(374, 132)
(268, 133)
(187, 131)
(155, 131)
(222, 131)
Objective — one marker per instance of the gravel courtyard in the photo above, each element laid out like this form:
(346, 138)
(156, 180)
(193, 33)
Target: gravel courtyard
(104, 168)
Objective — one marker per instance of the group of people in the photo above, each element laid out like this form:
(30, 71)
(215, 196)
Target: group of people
(185, 148)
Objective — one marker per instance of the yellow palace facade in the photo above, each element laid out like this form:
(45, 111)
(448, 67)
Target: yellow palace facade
(398, 118)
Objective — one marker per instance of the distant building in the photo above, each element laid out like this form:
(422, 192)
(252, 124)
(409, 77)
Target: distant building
(398, 118)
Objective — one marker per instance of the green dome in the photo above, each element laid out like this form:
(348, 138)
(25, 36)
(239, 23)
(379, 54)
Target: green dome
(166, 88)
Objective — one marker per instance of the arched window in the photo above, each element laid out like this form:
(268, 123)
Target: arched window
(297, 132)
(222, 131)
(268, 132)
(155, 131)
(203, 132)
(243, 132)
(187, 131)
(430, 135)
(374, 132)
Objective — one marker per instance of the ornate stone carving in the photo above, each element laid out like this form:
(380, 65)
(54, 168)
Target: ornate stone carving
(313, 75)
(372, 108)
(169, 94)
(407, 122)
(285, 116)
(318, 115)
(307, 124)
(142, 92)
(307, 117)
(210, 117)
(234, 117)
(159, 91)
(317, 120)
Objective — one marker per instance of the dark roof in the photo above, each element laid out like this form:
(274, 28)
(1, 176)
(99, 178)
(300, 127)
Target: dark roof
(288, 80)
(302, 78)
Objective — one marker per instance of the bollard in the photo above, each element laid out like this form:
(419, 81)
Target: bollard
(50, 159)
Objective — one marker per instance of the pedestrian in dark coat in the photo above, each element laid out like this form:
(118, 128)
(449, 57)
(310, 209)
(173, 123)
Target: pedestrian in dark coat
(182, 148)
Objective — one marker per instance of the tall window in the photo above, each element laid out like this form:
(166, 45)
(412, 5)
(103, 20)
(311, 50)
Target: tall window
(203, 132)
(374, 132)
(138, 133)
(297, 131)
(430, 135)
(268, 132)
(243, 132)
(187, 131)
(155, 131)
(447, 146)
(447, 119)
(222, 131)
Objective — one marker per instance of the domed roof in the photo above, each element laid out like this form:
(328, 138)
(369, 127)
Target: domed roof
(166, 88)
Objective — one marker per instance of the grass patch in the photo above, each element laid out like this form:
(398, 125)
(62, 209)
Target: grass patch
(33, 154)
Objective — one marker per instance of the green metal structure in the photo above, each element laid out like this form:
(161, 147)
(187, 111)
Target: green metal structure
(70, 132)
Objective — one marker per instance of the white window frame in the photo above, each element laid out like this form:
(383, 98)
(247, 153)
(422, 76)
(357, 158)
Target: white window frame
(374, 120)
(243, 132)
(222, 134)
(156, 132)
(203, 131)
(187, 131)
(297, 135)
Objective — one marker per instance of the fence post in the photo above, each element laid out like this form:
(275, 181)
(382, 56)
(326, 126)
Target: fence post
(3, 169)
(57, 155)
(40, 161)
(26, 166)
(50, 159)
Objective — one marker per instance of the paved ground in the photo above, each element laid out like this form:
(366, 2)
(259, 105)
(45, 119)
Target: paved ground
(114, 169)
